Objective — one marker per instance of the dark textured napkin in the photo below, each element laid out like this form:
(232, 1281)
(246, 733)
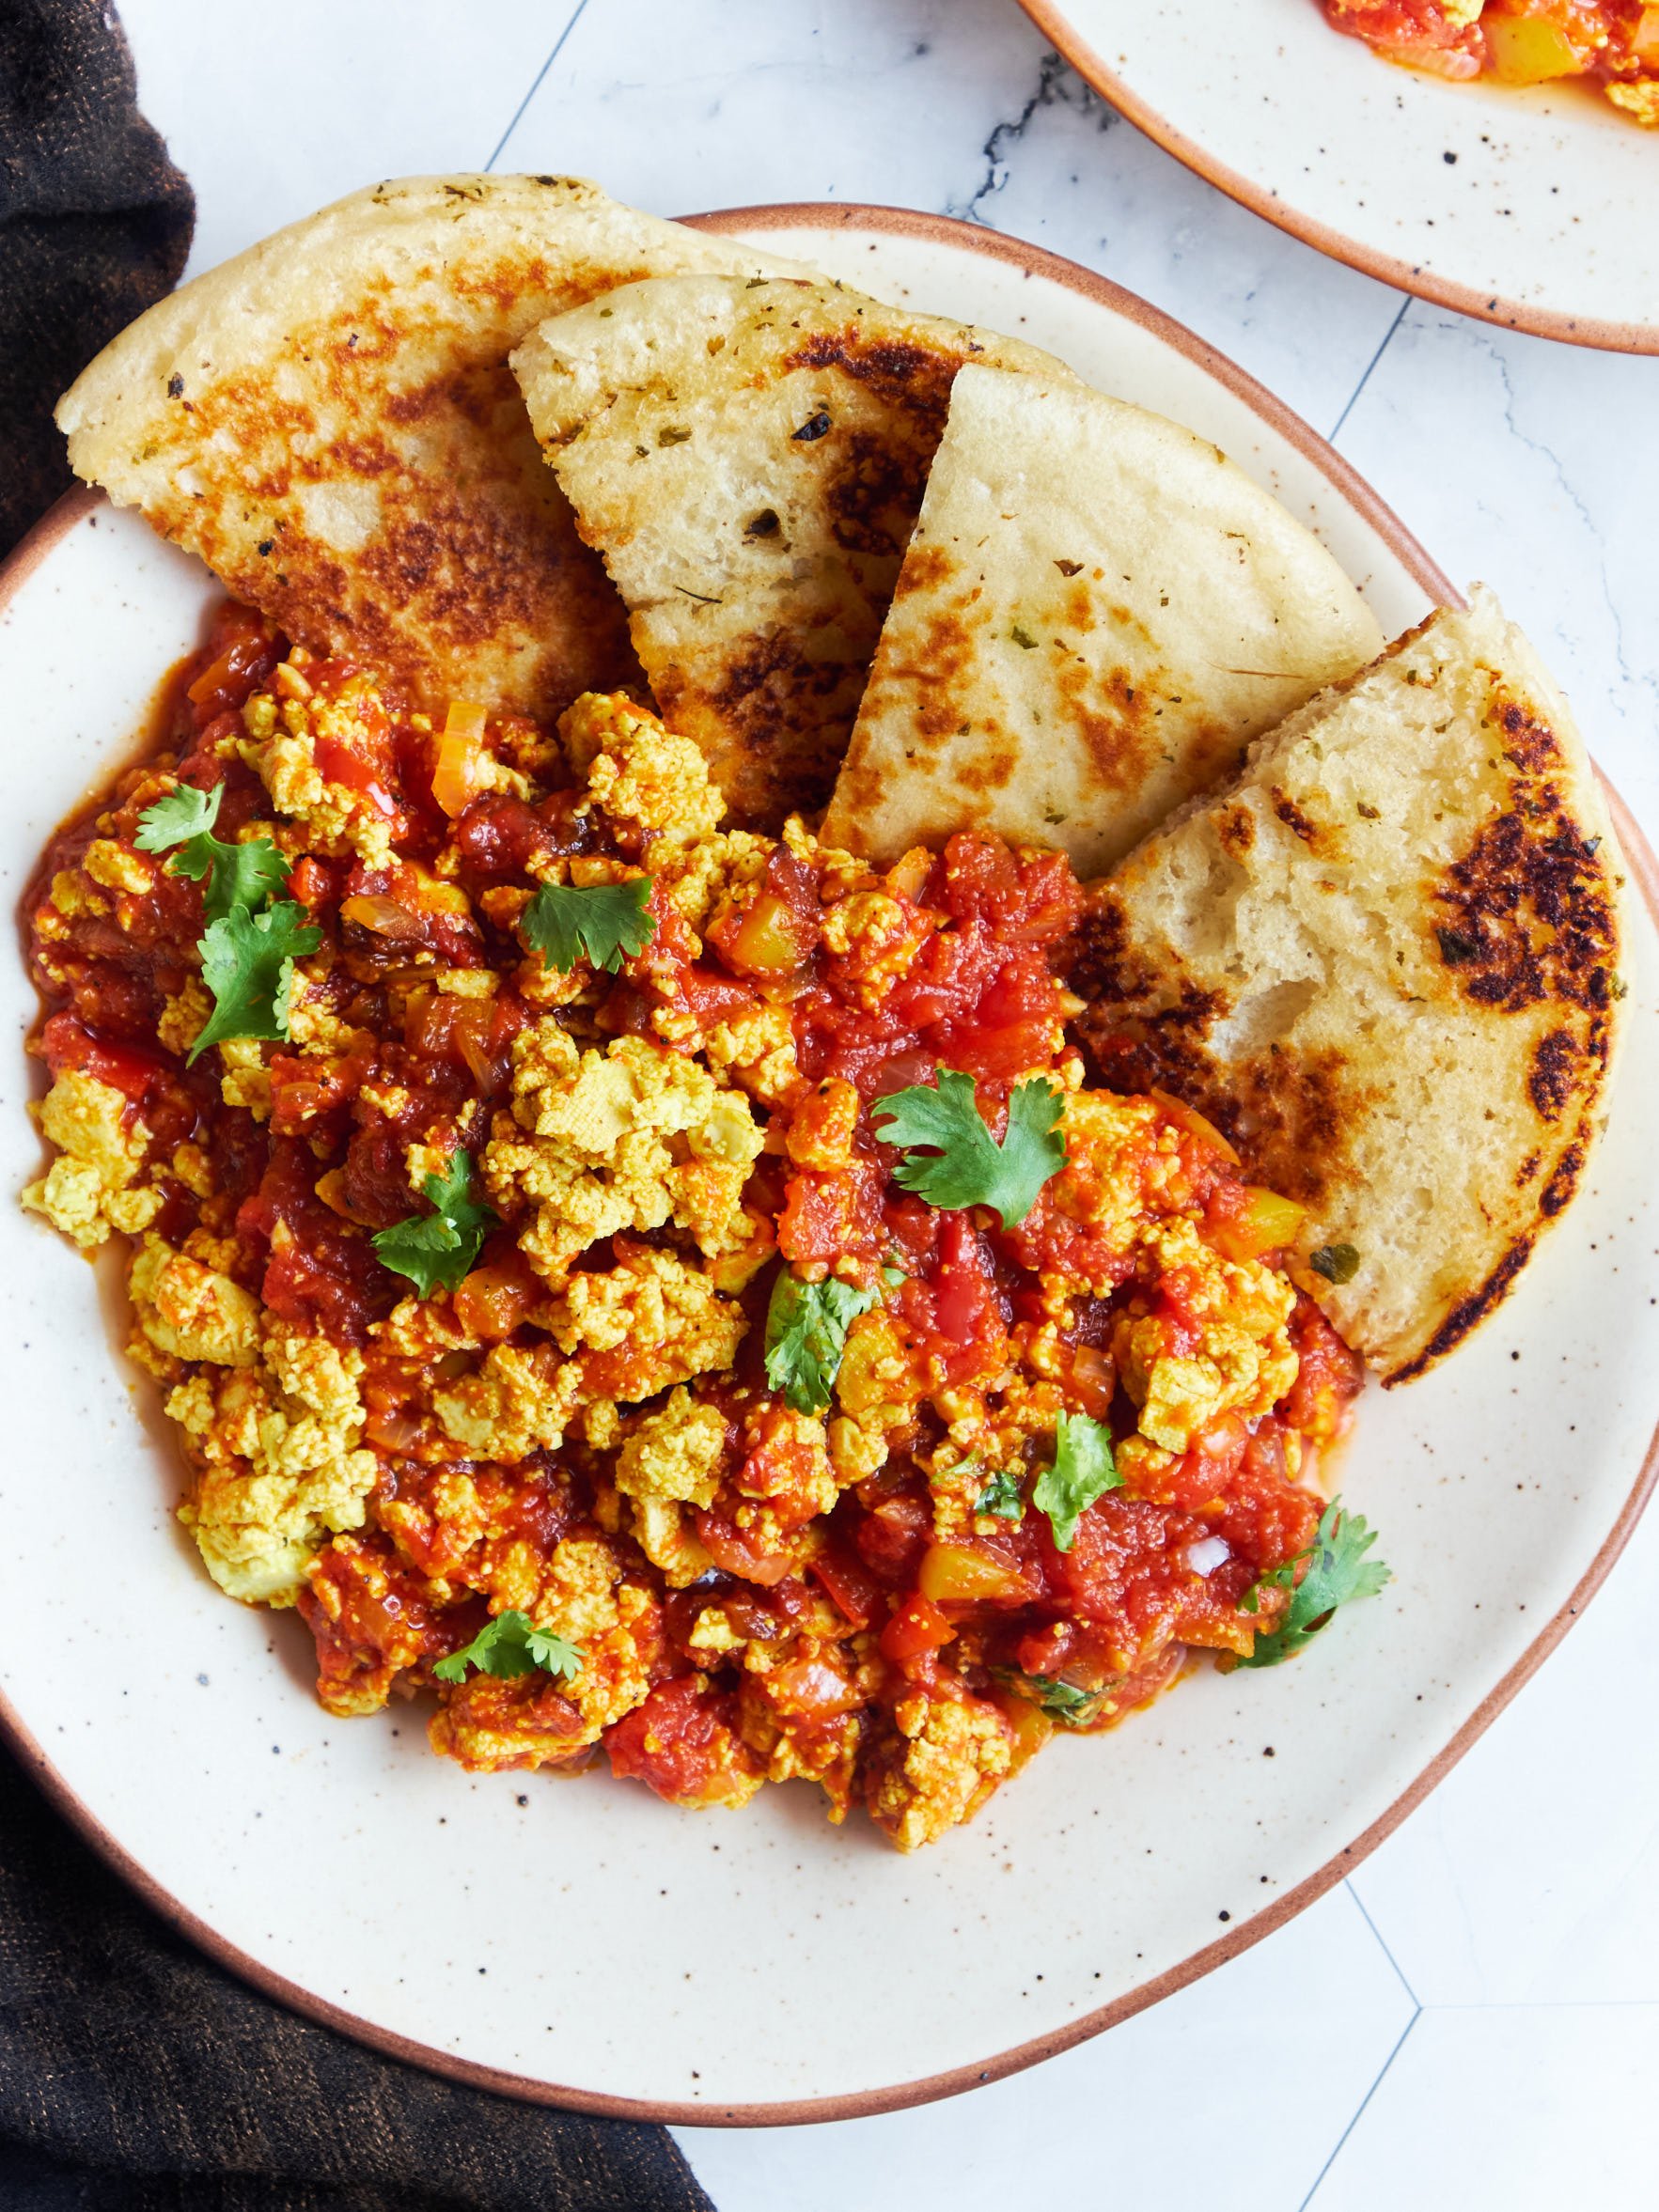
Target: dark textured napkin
(134, 2077)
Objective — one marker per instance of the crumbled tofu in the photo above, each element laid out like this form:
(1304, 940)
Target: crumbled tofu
(118, 868)
(638, 771)
(1245, 1361)
(89, 1190)
(518, 1402)
(677, 1453)
(1639, 100)
(335, 819)
(245, 1080)
(632, 1138)
(649, 1322)
(756, 1050)
(193, 1312)
(665, 1533)
(950, 1756)
(184, 1015)
(277, 1462)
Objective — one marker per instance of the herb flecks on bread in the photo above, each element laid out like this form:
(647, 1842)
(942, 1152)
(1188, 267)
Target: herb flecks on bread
(1386, 962)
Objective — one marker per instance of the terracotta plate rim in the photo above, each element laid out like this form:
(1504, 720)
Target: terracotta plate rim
(39, 545)
(1053, 21)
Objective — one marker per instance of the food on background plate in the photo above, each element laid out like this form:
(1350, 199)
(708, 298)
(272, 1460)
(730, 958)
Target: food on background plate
(1096, 613)
(655, 1287)
(749, 459)
(1612, 43)
(328, 420)
(1386, 962)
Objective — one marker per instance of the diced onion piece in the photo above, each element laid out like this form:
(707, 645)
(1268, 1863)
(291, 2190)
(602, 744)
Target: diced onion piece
(908, 874)
(959, 1574)
(461, 760)
(1190, 1119)
(1526, 50)
(372, 909)
(1208, 1554)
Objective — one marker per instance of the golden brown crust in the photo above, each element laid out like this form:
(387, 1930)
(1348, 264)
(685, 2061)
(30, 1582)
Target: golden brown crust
(1384, 964)
(1095, 615)
(750, 461)
(329, 422)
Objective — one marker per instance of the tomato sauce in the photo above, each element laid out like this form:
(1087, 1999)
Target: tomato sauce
(866, 1594)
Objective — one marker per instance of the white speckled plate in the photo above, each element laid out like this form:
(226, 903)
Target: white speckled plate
(1531, 207)
(576, 1940)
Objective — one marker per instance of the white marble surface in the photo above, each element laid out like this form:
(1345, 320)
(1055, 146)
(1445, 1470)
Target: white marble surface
(1474, 2018)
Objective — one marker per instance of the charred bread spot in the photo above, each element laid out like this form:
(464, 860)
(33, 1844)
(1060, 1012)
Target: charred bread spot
(915, 379)
(1553, 1080)
(993, 767)
(1235, 829)
(1096, 964)
(1528, 742)
(770, 708)
(1557, 1193)
(1292, 1112)
(875, 495)
(1293, 818)
(1468, 1313)
(1530, 914)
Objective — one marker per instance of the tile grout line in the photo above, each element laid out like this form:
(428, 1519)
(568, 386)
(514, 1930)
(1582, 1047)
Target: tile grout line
(1359, 1901)
(1371, 364)
(536, 86)
(1354, 2123)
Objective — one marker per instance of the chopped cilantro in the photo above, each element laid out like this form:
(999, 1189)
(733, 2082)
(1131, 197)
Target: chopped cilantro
(1083, 1471)
(247, 962)
(1336, 1263)
(607, 922)
(237, 874)
(1002, 1496)
(511, 1645)
(806, 1325)
(440, 1247)
(1337, 1572)
(1062, 1701)
(963, 1164)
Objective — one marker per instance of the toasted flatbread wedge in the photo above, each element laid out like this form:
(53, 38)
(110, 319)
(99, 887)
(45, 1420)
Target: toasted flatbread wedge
(330, 422)
(1385, 963)
(749, 459)
(1097, 611)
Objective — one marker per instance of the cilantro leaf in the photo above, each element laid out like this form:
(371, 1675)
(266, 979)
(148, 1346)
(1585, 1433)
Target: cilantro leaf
(806, 1325)
(1083, 1471)
(249, 963)
(1337, 1572)
(1062, 1701)
(963, 1164)
(237, 874)
(1002, 1496)
(511, 1645)
(605, 922)
(182, 814)
(440, 1247)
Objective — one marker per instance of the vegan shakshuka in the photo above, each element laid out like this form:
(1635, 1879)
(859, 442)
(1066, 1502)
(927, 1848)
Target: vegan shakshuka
(654, 1290)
